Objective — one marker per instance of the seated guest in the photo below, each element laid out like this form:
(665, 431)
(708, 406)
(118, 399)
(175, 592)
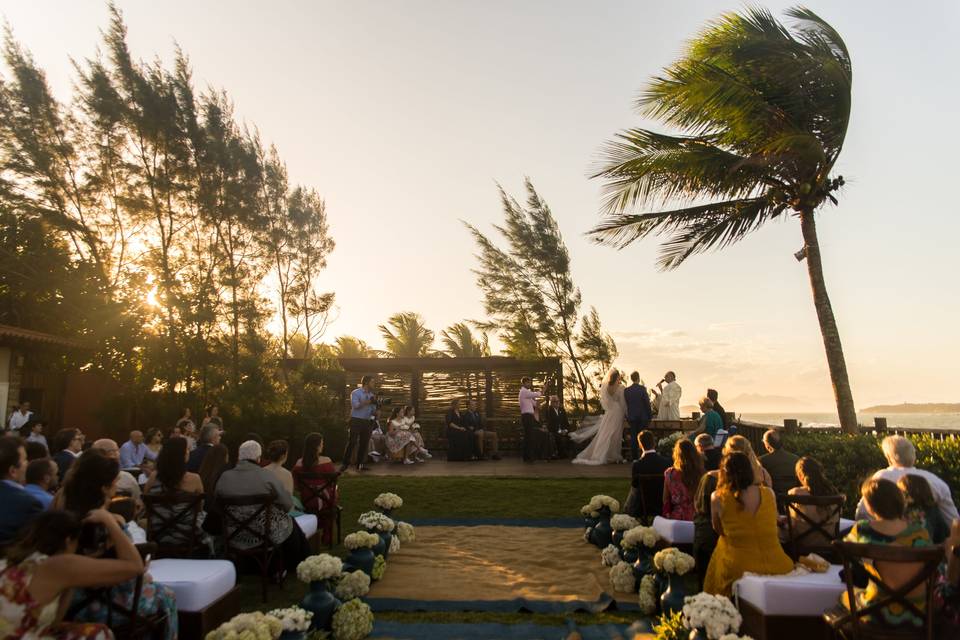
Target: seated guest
(20, 416)
(185, 420)
(126, 483)
(460, 443)
(886, 506)
(277, 455)
(487, 443)
(399, 441)
(650, 463)
(740, 444)
(248, 479)
(90, 486)
(214, 464)
(67, 445)
(713, 396)
(33, 432)
(704, 536)
(711, 454)
(172, 476)
(209, 436)
(35, 451)
(680, 481)
(745, 519)
(42, 480)
(41, 569)
(154, 441)
(922, 507)
(813, 482)
(902, 456)
(710, 421)
(313, 461)
(146, 470)
(559, 426)
(213, 417)
(19, 506)
(947, 590)
(133, 451)
(410, 423)
(779, 463)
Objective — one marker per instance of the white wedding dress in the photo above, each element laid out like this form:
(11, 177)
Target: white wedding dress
(606, 430)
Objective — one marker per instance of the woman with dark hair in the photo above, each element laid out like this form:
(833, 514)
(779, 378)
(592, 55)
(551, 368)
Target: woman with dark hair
(460, 440)
(170, 477)
(322, 496)
(400, 442)
(41, 569)
(922, 507)
(813, 482)
(90, 485)
(680, 481)
(277, 453)
(745, 518)
(154, 442)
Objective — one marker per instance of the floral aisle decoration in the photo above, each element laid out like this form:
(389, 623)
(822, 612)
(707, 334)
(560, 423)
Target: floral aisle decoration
(648, 594)
(637, 545)
(388, 502)
(716, 616)
(352, 585)
(319, 571)
(610, 556)
(295, 621)
(248, 626)
(352, 621)
(406, 532)
(619, 524)
(361, 545)
(394, 544)
(589, 516)
(675, 564)
(622, 578)
(379, 568)
(382, 525)
(601, 534)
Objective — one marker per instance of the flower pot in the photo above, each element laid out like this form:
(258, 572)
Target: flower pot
(672, 598)
(644, 562)
(698, 634)
(630, 555)
(589, 522)
(386, 512)
(385, 539)
(321, 603)
(615, 538)
(602, 534)
(361, 559)
(378, 549)
(293, 635)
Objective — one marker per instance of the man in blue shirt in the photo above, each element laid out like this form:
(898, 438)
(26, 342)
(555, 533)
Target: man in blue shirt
(42, 480)
(133, 451)
(363, 406)
(19, 507)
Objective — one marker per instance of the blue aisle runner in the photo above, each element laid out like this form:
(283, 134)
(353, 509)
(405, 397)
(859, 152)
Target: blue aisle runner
(517, 605)
(560, 523)
(489, 630)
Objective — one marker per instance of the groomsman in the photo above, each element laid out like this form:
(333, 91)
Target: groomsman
(638, 411)
(558, 425)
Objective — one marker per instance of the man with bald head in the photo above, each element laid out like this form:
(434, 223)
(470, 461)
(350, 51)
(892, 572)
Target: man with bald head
(125, 481)
(133, 451)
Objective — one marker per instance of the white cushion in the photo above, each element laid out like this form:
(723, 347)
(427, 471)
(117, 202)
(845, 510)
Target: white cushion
(674, 531)
(308, 524)
(846, 525)
(803, 595)
(196, 583)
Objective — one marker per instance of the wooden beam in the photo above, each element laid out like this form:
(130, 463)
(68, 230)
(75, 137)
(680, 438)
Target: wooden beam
(409, 365)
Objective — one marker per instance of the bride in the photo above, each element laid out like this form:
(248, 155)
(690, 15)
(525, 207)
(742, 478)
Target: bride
(607, 430)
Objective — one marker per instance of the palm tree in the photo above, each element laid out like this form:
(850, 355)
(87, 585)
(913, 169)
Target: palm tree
(406, 336)
(760, 114)
(459, 342)
(352, 347)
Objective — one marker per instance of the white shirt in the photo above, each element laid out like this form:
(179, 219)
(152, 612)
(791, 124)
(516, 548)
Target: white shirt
(940, 489)
(669, 408)
(528, 400)
(18, 419)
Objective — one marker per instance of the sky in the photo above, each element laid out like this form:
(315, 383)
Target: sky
(406, 115)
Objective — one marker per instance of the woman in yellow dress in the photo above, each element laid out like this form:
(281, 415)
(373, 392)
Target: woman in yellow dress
(745, 517)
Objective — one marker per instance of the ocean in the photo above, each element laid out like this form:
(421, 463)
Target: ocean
(914, 420)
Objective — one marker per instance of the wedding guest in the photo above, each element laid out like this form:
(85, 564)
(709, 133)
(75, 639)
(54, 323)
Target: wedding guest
(460, 443)
(745, 519)
(901, 457)
(34, 430)
(35, 451)
(213, 417)
(133, 451)
(947, 590)
(536, 445)
(669, 394)
(19, 507)
(324, 495)
(41, 480)
(680, 481)
(639, 412)
(559, 426)
(813, 482)
(146, 470)
(67, 445)
(486, 442)
(704, 535)
(713, 396)
(650, 463)
(154, 442)
(410, 420)
(172, 476)
(190, 434)
(277, 453)
(41, 570)
(363, 407)
(214, 464)
(711, 454)
(885, 505)
(19, 417)
(738, 443)
(710, 421)
(779, 463)
(922, 507)
(209, 437)
(185, 420)
(399, 441)
(126, 483)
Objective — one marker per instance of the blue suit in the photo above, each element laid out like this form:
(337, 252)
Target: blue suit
(638, 413)
(19, 507)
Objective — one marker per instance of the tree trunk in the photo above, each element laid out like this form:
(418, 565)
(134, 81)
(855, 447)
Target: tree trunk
(828, 326)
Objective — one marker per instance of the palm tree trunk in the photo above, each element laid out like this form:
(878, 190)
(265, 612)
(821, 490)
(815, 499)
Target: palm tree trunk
(828, 326)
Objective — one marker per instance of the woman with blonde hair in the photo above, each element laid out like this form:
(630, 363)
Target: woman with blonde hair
(738, 443)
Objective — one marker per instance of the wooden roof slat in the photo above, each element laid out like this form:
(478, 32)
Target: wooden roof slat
(406, 365)
(19, 334)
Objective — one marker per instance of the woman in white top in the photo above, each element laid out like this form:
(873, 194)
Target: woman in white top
(400, 441)
(409, 422)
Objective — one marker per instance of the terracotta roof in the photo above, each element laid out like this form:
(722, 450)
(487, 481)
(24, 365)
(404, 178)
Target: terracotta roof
(8, 332)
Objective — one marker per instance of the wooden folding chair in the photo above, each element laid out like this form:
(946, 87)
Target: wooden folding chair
(173, 523)
(860, 622)
(314, 487)
(650, 496)
(250, 516)
(802, 543)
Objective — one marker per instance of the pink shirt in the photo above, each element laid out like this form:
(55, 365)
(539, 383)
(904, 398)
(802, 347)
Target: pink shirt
(528, 400)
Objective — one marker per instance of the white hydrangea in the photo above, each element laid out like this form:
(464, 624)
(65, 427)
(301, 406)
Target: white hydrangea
(716, 615)
(610, 556)
(637, 536)
(374, 520)
(406, 532)
(353, 585)
(293, 618)
(352, 621)
(733, 636)
(248, 626)
(361, 540)
(599, 501)
(319, 567)
(394, 544)
(622, 579)
(587, 510)
(622, 522)
(672, 560)
(388, 501)
(648, 594)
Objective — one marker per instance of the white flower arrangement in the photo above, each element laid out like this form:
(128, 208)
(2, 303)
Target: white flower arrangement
(293, 618)
(622, 522)
(379, 568)
(599, 501)
(587, 510)
(637, 536)
(714, 614)
(394, 544)
(406, 532)
(248, 626)
(621, 577)
(361, 540)
(672, 560)
(319, 567)
(733, 636)
(388, 501)
(648, 594)
(374, 520)
(610, 556)
(352, 585)
(352, 621)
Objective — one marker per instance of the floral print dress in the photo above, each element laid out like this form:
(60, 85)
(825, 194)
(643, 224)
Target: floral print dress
(679, 505)
(22, 617)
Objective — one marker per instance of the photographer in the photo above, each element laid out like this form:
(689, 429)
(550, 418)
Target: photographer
(363, 406)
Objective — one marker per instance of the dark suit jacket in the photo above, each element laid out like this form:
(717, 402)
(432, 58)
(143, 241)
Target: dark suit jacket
(723, 414)
(782, 466)
(472, 420)
(638, 404)
(557, 420)
(650, 464)
(63, 459)
(197, 456)
(19, 507)
(711, 459)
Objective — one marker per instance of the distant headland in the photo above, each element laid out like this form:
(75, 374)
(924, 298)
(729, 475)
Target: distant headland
(919, 407)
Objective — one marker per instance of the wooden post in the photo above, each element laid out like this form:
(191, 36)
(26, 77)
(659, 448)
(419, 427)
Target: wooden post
(488, 393)
(791, 426)
(880, 425)
(415, 390)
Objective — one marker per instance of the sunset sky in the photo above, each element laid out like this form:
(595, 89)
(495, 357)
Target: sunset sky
(405, 115)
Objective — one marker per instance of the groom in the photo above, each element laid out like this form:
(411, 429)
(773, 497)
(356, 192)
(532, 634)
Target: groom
(638, 411)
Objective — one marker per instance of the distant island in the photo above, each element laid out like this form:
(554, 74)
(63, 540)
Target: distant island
(920, 407)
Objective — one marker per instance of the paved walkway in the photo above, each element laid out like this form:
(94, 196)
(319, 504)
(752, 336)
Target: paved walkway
(508, 467)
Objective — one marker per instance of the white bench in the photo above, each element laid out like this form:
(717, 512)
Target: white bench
(308, 524)
(674, 532)
(781, 607)
(206, 591)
